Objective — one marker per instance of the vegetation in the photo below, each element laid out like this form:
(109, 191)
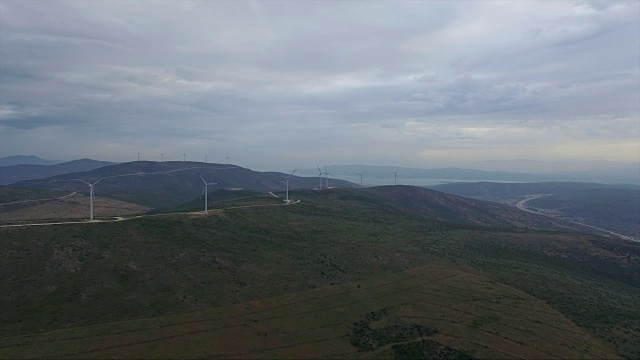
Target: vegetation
(435, 303)
(616, 209)
(532, 293)
(427, 349)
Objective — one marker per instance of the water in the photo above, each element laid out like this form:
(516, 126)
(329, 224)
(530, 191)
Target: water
(403, 181)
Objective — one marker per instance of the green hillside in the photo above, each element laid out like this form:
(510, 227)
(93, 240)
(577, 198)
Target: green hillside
(617, 209)
(613, 207)
(436, 311)
(462, 210)
(60, 277)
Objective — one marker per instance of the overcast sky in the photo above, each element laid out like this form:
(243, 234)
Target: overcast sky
(284, 84)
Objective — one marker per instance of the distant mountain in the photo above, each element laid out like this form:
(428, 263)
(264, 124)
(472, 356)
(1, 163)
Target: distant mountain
(15, 173)
(383, 175)
(26, 160)
(168, 184)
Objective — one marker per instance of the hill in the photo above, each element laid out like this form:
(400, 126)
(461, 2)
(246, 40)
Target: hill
(457, 209)
(165, 185)
(613, 207)
(26, 160)
(16, 173)
(273, 257)
(424, 310)
(617, 209)
(67, 207)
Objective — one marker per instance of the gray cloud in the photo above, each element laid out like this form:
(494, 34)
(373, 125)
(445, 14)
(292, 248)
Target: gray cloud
(284, 83)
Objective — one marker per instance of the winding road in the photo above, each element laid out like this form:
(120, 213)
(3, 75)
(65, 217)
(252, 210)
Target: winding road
(522, 206)
(119, 218)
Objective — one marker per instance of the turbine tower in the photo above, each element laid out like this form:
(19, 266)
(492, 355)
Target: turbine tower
(287, 199)
(326, 177)
(184, 157)
(161, 157)
(360, 177)
(91, 185)
(205, 159)
(227, 160)
(206, 193)
(395, 176)
(139, 156)
(319, 176)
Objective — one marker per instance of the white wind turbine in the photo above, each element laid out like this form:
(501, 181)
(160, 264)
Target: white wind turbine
(91, 185)
(287, 199)
(360, 177)
(206, 194)
(395, 176)
(184, 157)
(326, 176)
(320, 177)
(139, 156)
(161, 157)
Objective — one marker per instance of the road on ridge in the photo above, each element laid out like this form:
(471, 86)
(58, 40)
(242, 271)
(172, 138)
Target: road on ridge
(26, 201)
(119, 218)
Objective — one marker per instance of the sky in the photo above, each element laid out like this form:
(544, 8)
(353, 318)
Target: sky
(286, 84)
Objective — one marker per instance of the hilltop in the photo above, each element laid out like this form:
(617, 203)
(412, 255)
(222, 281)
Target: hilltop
(26, 160)
(164, 185)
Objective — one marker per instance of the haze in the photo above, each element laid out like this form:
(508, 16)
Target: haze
(283, 84)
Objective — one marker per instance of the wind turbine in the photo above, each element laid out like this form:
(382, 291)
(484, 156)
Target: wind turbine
(326, 176)
(287, 199)
(206, 194)
(139, 156)
(161, 157)
(395, 176)
(320, 177)
(184, 157)
(90, 196)
(205, 159)
(360, 177)
(227, 160)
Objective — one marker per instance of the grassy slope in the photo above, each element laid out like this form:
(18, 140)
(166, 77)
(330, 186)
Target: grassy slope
(69, 208)
(58, 277)
(457, 209)
(12, 194)
(472, 314)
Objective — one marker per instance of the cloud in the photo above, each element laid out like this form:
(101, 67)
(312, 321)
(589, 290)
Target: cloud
(275, 82)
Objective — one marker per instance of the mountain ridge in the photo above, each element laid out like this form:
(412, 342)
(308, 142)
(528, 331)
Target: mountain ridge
(16, 173)
(26, 160)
